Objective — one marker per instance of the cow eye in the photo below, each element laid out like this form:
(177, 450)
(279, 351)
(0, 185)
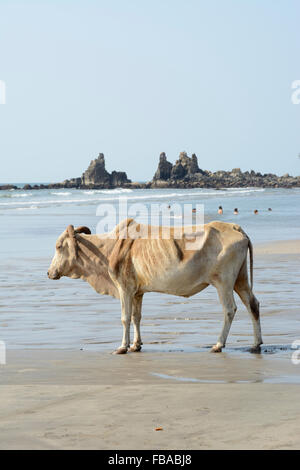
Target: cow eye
(58, 247)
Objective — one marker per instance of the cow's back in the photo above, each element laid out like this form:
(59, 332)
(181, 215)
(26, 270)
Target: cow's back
(185, 265)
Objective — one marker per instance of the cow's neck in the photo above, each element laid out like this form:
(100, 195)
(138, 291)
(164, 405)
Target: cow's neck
(94, 254)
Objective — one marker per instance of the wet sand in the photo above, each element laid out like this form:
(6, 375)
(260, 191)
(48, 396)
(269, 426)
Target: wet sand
(83, 400)
(72, 399)
(284, 247)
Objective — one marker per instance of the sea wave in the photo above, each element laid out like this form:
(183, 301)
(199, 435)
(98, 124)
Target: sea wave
(26, 208)
(61, 193)
(108, 191)
(22, 195)
(135, 197)
(10, 195)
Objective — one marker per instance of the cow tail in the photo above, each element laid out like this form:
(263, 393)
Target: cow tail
(250, 246)
(254, 304)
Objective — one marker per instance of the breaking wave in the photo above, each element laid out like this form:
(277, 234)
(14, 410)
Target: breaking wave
(111, 195)
(62, 194)
(108, 191)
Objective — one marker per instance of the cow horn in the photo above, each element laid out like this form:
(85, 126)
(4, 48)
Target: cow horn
(71, 233)
(83, 229)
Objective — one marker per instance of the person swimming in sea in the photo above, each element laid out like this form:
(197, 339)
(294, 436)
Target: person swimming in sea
(256, 211)
(269, 209)
(220, 210)
(236, 211)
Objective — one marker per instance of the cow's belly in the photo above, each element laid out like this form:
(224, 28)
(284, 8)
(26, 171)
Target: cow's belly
(181, 285)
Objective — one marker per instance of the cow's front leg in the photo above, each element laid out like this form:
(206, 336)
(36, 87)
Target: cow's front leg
(136, 320)
(126, 306)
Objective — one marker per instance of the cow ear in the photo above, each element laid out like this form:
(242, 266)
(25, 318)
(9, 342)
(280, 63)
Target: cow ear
(71, 233)
(83, 229)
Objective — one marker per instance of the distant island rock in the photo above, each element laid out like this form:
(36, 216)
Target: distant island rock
(184, 173)
(95, 177)
(184, 168)
(96, 174)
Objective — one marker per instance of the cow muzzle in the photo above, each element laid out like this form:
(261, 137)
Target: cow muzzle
(54, 275)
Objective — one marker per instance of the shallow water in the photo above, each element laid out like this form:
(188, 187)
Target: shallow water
(37, 312)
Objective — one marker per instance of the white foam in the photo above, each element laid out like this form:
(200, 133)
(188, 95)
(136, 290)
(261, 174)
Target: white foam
(146, 196)
(26, 208)
(108, 191)
(61, 193)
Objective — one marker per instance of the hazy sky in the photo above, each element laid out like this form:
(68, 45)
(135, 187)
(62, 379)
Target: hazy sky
(133, 78)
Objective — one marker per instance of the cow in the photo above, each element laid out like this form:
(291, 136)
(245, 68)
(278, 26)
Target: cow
(127, 267)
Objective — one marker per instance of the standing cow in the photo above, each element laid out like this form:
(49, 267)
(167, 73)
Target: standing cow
(127, 267)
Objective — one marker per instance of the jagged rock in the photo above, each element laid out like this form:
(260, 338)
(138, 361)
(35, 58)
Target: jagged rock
(96, 175)
(190, 165)
(7, 187)
(178, 171)
(185, 166)
(118, 178)
(75, 181)
(164, 169)
(96, 172)
(185, 173)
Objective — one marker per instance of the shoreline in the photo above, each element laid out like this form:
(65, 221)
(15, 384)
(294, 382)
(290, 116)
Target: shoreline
(153, 185)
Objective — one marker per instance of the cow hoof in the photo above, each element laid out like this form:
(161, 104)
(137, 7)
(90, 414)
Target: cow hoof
(135, 348)
(216, 349)
(121, 350)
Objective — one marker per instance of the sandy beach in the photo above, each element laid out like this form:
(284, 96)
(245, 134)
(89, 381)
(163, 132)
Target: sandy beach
(66, 399)
(116, 115)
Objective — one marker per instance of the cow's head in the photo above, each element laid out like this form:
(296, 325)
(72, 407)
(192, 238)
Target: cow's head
(65, 260)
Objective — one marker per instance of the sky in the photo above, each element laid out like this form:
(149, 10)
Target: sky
(134, 78)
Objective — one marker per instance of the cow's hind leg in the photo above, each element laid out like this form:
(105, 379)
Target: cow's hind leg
(229, 309)
(251, 303)
(136, 320)
(126, 306)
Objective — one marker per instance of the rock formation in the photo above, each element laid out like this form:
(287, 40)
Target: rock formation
(185, 173)
(7, 187)
(164, 169)
(184, 166)
(96, 175)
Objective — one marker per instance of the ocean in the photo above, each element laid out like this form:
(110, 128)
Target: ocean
(40, 313)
